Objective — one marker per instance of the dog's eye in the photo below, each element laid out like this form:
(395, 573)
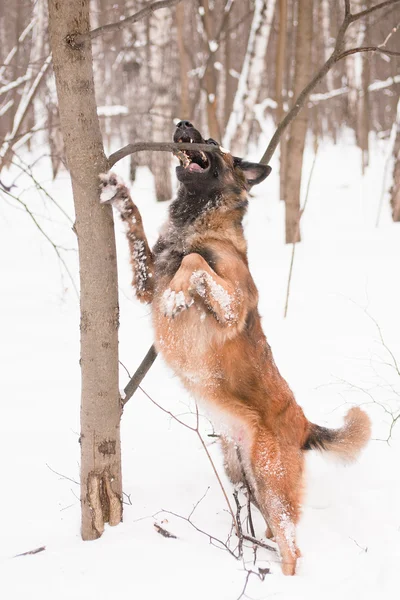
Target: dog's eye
(211, 141)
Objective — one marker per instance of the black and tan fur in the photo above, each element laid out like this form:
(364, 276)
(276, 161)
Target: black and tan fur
(208, 329)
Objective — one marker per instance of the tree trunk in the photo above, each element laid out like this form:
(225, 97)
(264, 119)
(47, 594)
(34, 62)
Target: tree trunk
(395, 189)
(280, 83)
(101, 482)
(161, 65)
(210, 79)
(184, 64)
(280, 60)
(239, 125)
(298, 129)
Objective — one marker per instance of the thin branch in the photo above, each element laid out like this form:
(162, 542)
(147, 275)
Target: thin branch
(13, 52)
(211, 538)
(337, 54)
(164, 532)
(367, 49)
(158, 147)
(239, 523)
(35, 551)
(197, 431)
(76, 40)
(139, 375)
(297, 233)
(61, 475)
(28, 171)
(55, 247)
(368, 11)
(257, 542)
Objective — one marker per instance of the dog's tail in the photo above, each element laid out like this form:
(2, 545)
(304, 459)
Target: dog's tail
(347, 441)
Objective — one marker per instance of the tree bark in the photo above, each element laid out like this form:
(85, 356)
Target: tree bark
(101, 482)
(280, 59)
(210, 79)
(298, 129)
(239, 125)
(184, 64)
(395, 189)
(161, 66)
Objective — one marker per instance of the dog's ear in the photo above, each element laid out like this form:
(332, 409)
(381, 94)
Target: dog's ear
(253, 172)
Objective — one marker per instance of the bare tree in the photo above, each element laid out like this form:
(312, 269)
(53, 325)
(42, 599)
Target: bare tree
(101, 480)
(395, 190)
(161, 76)
(238, 129)
(298, 128)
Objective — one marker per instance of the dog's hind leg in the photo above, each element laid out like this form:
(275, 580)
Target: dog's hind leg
(113, 191)
(278, 478)
(233, 467)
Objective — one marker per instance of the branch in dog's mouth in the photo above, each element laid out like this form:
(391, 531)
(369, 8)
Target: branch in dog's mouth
(160, 147)
(194, 161)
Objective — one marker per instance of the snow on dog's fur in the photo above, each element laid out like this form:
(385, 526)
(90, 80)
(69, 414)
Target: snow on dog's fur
(208, 329)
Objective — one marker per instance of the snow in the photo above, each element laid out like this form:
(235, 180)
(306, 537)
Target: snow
(203, 282)
(345, 286)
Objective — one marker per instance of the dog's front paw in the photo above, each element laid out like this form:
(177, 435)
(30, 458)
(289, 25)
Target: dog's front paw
(173, 303)
(110, 185)
(114, 191)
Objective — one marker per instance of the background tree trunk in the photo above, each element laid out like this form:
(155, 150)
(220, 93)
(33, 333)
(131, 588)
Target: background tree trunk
(210, 79)
(161, 24)
(101, 483)
(184, 64)
(395, 190)
(298, 131)
(239, 125)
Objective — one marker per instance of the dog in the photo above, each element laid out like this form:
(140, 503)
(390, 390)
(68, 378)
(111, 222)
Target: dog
(208, 330)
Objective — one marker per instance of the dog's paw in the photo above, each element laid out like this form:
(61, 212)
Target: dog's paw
(173, 303)
(114, 191)
(110, 184)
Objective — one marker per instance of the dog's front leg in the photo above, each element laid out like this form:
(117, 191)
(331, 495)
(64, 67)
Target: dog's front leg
(113, 191)
(195, 278)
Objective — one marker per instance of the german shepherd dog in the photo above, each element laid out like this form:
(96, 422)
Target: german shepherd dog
(208, 330)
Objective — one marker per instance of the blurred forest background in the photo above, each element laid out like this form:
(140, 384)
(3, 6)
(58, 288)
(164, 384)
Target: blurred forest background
(228, 65)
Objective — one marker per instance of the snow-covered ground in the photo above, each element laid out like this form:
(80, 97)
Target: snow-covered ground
(345, 295)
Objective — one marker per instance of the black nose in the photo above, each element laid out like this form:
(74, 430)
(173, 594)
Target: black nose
(183, 124)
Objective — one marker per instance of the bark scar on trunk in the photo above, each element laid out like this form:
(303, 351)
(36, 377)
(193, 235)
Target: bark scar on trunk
(107, 447)
(105, 504)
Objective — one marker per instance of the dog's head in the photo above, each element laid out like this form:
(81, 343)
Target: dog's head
(212, 172)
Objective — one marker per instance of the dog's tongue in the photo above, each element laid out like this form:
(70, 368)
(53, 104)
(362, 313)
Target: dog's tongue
(194, 167)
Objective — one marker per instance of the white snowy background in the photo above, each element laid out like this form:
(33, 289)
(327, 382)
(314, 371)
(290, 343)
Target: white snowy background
(345, 296)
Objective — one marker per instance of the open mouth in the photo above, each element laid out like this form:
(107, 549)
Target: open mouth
(195, 162)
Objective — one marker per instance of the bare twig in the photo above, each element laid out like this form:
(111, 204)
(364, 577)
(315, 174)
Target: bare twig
(367, 49)
(297, 233)
(214, 541)
(56, 248)
(257, 542)
(164, 532)
(337, 55)
(246, 581)
(35, 551)
(28, 171)
(76, 40)
(239, 523)
(139, 375)
(158, 147)
(197, 431)
(368, 11)
(61, 475)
